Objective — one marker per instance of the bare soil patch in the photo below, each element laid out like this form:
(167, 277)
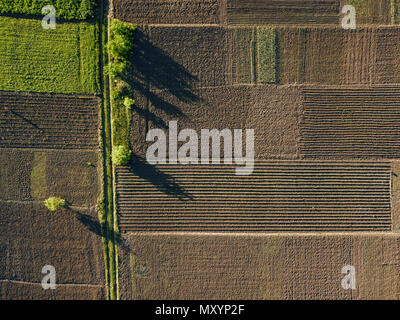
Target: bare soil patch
(168, 11)
(48, 121)
(69, 239)
(290, 266)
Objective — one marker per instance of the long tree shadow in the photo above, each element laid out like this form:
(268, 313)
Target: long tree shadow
(152, 70)
(161, 80)
(94, 226)
(25, 119)
(162, 181)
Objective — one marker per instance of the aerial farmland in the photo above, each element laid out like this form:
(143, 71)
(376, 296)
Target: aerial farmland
(199, 149)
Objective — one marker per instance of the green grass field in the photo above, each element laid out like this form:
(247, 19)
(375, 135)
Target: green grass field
(66, 9)
(63, 60)
(266, 55)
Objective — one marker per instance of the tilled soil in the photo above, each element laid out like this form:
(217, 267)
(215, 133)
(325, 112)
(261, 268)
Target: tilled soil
(48, 121)
(277, 196)
(258, 266)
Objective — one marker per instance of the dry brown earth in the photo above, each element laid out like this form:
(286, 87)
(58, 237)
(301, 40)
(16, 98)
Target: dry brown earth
(31, 237)
(168, 11)
(258, 266)
(33, 120)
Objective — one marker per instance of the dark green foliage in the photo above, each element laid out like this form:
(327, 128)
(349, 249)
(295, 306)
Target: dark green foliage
(66, 9)
(120, 49)
(120, 46)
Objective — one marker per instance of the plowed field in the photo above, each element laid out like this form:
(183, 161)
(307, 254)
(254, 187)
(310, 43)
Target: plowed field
(168, 11)
(48, 121)
(351, 122)
(260, 12)
(278, 196)
(258, 266)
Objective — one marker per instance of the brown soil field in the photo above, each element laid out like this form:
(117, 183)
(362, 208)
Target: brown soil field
(387, 61)
(258, 266)
(272, 111)
(310, 55)
(48, 121)
(31, 237)
(277, 196)
(181, 57)
(371, 12)
(186, 58)
(351, 122)
(367, 55)
(168, 11)
(360, 56)
(19, 290)
(260, 12)
(37, 174)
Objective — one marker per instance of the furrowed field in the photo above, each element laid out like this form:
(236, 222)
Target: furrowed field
(61, 60)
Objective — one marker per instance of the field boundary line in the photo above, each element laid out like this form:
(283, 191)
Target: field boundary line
(58, 284)
(263, 234)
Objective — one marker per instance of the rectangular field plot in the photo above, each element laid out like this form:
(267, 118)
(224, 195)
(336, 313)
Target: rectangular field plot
(342, 122)
(272, 111)
(20, 290)
(374, 11)
(254, 55)
(180, 58)
(258, 266)
(261, 12)
(48, 121)
(278, 196)
(35, 175)
(61, 60)
(367, 55)
(69, 239)
(168, 11)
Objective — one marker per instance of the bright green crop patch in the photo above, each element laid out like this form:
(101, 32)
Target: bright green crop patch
(62, 60)
(66, 9)
(266, 55)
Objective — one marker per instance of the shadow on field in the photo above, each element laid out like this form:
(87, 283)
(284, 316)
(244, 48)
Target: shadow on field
(162, 181)
(24, 119)
(153, 67)
(94, 226)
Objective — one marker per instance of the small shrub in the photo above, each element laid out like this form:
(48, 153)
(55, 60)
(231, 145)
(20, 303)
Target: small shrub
(54, 203)
(128, 103)
(121, 155)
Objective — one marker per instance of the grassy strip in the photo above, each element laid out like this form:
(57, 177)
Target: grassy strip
(101, 210)
(362, 8)
(253, 56)
(102, 202)
(266, 55)
(243, 43)
(66, 9)
(108, 172)
(394, 11)
(301, 55)
(61, 60)
(119, 49)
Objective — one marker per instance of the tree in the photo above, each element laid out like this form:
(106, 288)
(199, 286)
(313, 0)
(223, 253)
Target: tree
(121, 155)
(54, 203)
